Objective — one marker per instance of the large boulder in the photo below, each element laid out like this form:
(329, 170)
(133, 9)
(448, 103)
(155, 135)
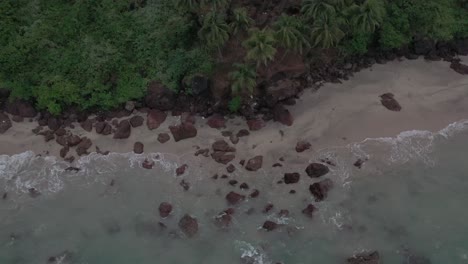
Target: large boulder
(234, 198)
(165, 209)
(290, 178)
(282, 115)
(198, 84)
(163, 137)
(389, 102)
(320, 189)
(255, 124)
(461, 46)
(136, 121)
(87, 125)
(20, 108)
(459, 67)
(302, 146)
(365, 258)
(103, 128)
(316, 170)
(159, 97)
(124, 129)
(188, 225)
(254, 163)
(222, 157)
(183, 131)
(82, 148)
(309, 210)
(155, 118)
(5, 123)
(138, 147)
(216, 121)
(222, 146)
(281, 90)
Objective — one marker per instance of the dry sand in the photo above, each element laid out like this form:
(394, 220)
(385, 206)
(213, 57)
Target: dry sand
(430, 93)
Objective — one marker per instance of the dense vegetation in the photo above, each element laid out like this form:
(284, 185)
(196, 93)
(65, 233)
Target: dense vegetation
(98, 54)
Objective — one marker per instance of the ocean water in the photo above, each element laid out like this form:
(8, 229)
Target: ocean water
(408, 202)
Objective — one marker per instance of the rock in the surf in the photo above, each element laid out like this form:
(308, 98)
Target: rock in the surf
(188, 225)
(320, 189)
(316, 170)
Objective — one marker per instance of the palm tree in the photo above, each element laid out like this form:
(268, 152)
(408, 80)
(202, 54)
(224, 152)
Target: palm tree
(260, 46)
(290, 33)
(326, 32)
(240, 20)
(243, 78)
(315, 9)
(369, 15)
(214, 31)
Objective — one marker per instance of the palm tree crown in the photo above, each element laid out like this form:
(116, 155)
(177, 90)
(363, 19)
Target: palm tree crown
(260, 46)
(215, 31)
(243, 78)
(369, 15)
(240, 20)
(326, 32)
(289, 32)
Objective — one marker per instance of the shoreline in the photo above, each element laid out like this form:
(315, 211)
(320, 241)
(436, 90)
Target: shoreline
(431, 95)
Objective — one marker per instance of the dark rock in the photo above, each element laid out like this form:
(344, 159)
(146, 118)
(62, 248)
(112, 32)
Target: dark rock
(20, 108)
(64, 257)
(73, 140)
(181, 169)
(159, 97)
(83, 147)
(64, 151)
(254, 163)
(292, 191)
(277, 165)
(33, 192)
(222, 146)
(282, 115)
(103, 128)
(231, 168)
(365, 258)
(302, 146)
(226, 133)
(268, 208)
(389, 102)
(62, 141)
(216, 121)
(222, 157)
(48, 135)
(223, 220)
(136, 121)
(244, 186)
(316, 170)
(203, 152)
(53, 123)
(155, 118)
(423, 46)
(269, 226)
(35, 130)
(358, 163)
(183, 131)
(320, 189)
(281, 90)
(165, 209)
(290, 178)
(309, 210)
(233, 182)
(185, 185)
(87, 125)
(459, 67)
(242, 162)
(4, 196)
(188, 225)
(99, 151)
(224, 176)
(234, 198)
(147, 164)
(411, 56)
(255, 193)
(255, 124)
(69, 159)
(123, 130)
(163, 138)
(60, 132)
(5, 123)
(243, 133)
(461, 46)
(138, 147)
(188, 118)
(74, 169)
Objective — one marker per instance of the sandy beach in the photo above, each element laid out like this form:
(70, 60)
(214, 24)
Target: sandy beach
(431, 95)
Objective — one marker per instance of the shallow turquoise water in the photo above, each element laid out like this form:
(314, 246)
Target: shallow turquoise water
(408, 199)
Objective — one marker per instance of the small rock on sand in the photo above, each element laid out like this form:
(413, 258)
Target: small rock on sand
(390, 102)
(188, 225)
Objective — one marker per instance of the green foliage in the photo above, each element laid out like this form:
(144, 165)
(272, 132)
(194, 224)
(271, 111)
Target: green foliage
(240, 20)
(395, 30)
(95, 54)
(187, 5)
(235, 104)
(216, 4)
(243, 78)
(260, 46)
(215, 31)
(368, 16)
(356, 44)
(326, 32)
(318, 9)
(290, 33)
